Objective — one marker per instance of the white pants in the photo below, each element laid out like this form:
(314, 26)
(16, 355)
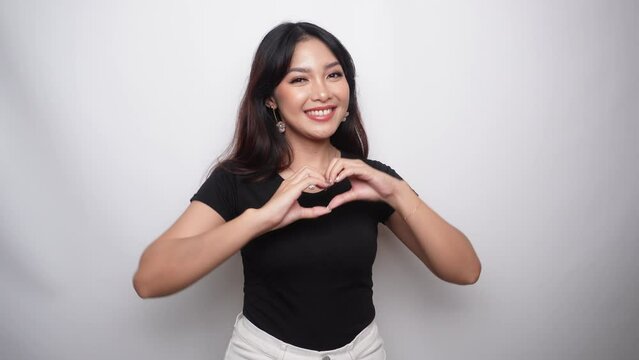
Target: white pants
(252, 343)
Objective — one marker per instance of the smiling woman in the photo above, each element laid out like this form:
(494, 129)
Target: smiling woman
(314, 88)
(300, 199)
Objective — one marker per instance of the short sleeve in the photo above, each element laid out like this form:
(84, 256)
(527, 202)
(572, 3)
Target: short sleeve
(219, 192)
(385, 210)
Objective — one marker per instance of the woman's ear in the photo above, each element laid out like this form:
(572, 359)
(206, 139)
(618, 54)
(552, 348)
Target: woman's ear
(270, 103)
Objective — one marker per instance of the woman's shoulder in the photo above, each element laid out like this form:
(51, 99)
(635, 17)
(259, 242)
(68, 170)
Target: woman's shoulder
(221, 172)
(232, 170)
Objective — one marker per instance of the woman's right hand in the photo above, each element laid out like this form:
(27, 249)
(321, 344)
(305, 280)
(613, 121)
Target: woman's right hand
(283, 208)
(200, 240)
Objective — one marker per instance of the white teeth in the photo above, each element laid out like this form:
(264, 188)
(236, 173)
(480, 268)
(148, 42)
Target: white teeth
(319, 112)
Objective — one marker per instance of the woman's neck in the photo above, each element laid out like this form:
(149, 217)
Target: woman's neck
(314, 155)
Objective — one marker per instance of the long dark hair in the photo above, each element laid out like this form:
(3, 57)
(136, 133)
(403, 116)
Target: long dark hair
(258, 150)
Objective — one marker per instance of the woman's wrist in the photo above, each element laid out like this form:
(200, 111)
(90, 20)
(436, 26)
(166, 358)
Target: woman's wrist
(259, 220)
(403, 199)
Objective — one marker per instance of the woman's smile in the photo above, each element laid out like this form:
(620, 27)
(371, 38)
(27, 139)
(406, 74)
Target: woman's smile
(322, 113)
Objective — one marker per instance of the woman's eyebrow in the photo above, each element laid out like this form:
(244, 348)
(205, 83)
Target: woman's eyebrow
(307, 70)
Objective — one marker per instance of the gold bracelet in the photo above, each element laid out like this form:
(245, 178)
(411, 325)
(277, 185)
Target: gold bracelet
(413, 212)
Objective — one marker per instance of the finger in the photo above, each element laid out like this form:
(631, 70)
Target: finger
(304, 176)
(302, 184)
(317, 211)
(342, 199)
(339, 167)
(346, 172)
(301, 173)
(290, 192)
(361, 170)
(304, 173)
(330, 168)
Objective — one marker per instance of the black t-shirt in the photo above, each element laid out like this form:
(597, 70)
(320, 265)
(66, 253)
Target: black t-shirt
(309, 283)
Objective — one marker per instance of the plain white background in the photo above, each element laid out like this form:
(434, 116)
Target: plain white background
(516, 121)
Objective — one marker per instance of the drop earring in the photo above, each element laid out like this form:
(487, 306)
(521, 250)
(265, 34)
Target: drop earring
(279, 124)
(345, 116)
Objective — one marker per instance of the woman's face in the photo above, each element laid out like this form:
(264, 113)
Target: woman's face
(312, 99)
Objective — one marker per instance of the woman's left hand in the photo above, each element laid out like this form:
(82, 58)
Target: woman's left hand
(367, 183)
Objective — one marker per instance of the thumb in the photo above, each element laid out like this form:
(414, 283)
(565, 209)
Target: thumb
(317, 211)
(342, 199)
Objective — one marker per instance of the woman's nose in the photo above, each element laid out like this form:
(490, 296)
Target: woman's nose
(320, 92)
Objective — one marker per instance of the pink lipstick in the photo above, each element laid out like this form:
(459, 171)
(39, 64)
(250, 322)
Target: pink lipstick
(321, 113)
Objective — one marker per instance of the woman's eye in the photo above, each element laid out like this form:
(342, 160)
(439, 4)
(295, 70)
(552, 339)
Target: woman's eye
(336, 75)
(297, 80)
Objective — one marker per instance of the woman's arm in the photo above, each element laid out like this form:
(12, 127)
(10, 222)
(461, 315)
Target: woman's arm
(200, 240)
(440, 246)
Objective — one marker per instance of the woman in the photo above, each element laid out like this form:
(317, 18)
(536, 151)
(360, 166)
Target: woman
(300, 199)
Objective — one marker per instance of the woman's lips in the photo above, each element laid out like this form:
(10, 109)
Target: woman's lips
(320, 114)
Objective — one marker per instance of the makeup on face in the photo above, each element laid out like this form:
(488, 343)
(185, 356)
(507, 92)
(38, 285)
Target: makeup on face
(314, 87)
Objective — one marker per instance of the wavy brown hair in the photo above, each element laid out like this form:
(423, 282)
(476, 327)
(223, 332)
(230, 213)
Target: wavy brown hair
(258, 150)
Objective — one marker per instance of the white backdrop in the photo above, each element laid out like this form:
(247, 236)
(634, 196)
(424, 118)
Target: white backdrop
(516, 121)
